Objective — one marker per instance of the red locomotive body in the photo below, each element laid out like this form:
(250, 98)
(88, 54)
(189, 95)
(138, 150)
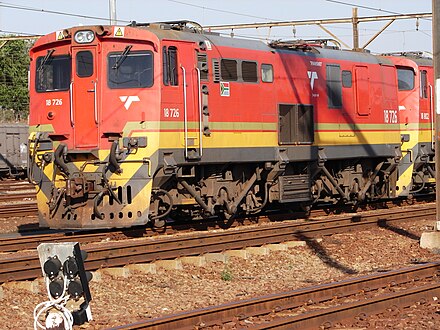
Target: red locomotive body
(139, 123)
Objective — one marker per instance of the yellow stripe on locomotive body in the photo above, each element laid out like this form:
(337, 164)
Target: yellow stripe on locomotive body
(245, 134)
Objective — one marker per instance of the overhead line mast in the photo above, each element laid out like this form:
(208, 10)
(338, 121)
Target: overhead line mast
(112, 6)
(431, 239)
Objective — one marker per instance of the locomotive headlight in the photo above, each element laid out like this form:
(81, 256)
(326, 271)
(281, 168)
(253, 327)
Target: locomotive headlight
(84, 37)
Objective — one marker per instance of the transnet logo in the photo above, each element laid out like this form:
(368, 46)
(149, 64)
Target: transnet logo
(312, 76)
(128, 100)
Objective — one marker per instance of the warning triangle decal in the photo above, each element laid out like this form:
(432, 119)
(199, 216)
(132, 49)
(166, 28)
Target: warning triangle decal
(59, 35)
(119, 32)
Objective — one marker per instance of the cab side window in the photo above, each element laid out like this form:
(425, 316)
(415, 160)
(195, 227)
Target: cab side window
(334, 86)
(423, 84)
(405, 78)
(266, 73)
(170, 76)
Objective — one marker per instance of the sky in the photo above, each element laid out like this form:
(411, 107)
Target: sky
(34, 17)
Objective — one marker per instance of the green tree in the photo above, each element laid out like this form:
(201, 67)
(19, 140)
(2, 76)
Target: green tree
(14, 95)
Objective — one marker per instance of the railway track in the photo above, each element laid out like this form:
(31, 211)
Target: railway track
(22, 196)
(17, 198)
(10, 185)
(19, 209)
(32, 239)
(120, 253)
(350, 301)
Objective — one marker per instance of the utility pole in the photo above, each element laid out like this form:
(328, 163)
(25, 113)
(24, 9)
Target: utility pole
(355, 29)
(112, 5)
(436, 52)
(431, 240)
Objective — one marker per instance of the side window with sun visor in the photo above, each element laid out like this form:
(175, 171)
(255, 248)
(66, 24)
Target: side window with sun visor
(130, 69)
(53, 73)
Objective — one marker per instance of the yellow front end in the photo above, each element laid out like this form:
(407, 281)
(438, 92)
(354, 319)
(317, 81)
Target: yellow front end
(92, 189)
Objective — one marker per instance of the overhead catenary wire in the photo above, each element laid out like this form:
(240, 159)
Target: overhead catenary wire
(15, 35)
(367, 7)
(299, 36)
(55, 12)
(222, 10)
(363, 7)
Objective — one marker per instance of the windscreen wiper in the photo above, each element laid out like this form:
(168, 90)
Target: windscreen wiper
(122, 57)
(45, 59)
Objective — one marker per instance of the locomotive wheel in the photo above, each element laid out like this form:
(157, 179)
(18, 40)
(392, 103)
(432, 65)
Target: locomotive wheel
(226, 220)
(159, 223)
(410, 200)
(162, 202)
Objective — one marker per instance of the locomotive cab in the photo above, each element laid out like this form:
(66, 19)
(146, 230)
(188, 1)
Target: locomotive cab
(93, 89)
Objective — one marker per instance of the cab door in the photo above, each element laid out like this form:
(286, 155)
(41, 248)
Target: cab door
(181, 94)
(426, 106)
(84, 98)
(362, 89)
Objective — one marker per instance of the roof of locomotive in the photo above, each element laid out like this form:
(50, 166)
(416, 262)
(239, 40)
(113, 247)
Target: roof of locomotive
(419, 57)
(162, 31)
(179, 31)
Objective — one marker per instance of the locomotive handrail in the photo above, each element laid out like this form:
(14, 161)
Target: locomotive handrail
(72, 122)
(95, 103)
(199, 93)
(185, 115)
(431, 106)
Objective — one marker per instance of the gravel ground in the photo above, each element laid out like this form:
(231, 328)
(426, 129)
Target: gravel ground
(17, 224)
(118, 301)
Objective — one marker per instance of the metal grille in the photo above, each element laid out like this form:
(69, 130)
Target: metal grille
(296, 125)
(295, 188)
(202, 64)
(216, 69)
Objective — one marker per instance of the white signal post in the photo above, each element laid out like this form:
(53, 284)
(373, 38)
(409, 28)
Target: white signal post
(436, 51)
(112, 6)
(431, 240)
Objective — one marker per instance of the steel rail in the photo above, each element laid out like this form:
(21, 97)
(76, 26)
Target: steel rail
(114, 254)
(358, 309)
(28, 242)
(17, 196)
(19, 209)
(219, 315)
(7, 186)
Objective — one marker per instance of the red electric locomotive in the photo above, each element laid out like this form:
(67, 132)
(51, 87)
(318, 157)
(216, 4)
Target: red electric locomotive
(134, 124)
